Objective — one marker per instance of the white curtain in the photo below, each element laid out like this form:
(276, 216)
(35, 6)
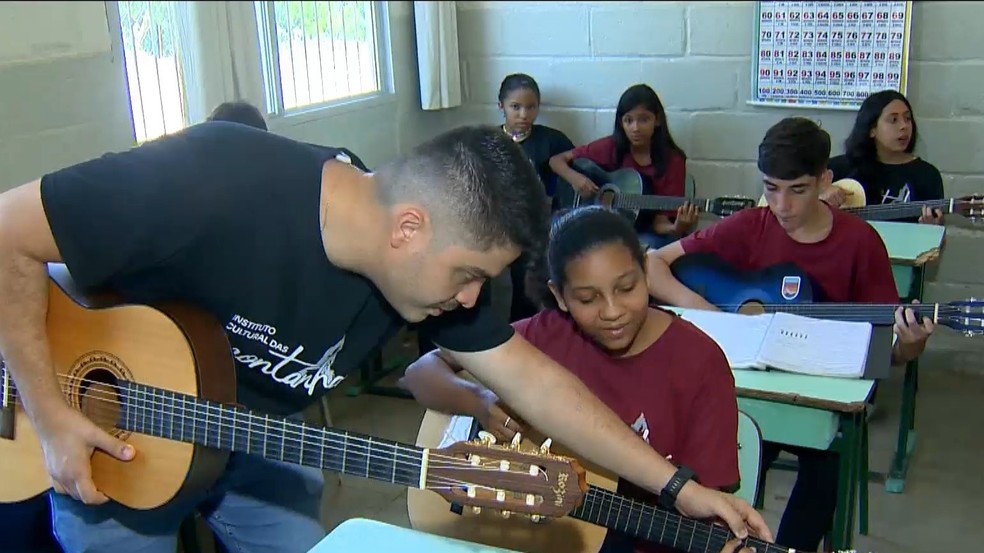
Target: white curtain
(437, 54)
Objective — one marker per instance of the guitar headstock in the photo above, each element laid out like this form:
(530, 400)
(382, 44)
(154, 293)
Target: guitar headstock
(725, 205)
(965, 316)
(481, 474)
(971, 207)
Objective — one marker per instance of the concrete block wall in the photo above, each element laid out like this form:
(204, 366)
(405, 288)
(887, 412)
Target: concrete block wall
(697, 56)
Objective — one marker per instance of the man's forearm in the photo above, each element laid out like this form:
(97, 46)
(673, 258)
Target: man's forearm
(552, 400)
(23, 333)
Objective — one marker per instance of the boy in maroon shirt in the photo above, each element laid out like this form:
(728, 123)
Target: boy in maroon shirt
(844, 258)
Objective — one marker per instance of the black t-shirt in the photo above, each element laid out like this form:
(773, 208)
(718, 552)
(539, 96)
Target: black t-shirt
(914, 181)
(542, 144)
(226, 217)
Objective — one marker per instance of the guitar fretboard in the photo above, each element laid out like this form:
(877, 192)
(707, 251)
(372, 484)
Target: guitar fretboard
(654, 524)
(189, 419)
(876, 313)
(900, 210)
(664, 203)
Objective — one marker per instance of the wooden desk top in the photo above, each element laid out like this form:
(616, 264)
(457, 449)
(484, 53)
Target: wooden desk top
(841, 395)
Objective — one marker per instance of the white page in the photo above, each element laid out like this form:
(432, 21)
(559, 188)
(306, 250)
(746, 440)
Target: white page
(458, 430)
(816, 346)
(739, 336)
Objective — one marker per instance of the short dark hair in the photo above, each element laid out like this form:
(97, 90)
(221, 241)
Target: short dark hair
(572, 234)
(518, 81)
(794, 147)
(475, 180)
(240, 112)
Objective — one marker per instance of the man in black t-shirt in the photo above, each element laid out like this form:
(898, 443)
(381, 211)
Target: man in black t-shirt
(308, 263)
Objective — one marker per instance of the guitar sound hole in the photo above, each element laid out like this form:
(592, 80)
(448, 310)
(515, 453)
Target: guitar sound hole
(99, 399)
(752, 308)
(607, 198)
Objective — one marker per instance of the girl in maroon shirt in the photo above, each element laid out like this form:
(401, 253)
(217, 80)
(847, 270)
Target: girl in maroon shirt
(640, 140)
(663, 376)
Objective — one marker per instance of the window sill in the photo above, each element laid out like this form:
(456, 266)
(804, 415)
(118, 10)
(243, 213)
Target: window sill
(312, 114)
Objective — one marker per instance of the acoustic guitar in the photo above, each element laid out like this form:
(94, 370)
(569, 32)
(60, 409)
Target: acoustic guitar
(785, 287)
(583, 531)
(162, 378)
(970, 206)
(622, 190)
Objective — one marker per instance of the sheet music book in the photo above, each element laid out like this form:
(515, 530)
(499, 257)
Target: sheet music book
(787, 342)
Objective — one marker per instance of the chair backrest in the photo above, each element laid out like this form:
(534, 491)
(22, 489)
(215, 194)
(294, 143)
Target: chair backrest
(749, 457)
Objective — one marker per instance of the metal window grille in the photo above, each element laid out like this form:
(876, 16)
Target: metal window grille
(316, 52)
(153, 68)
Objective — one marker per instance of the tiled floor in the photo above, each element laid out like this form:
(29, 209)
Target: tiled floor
(939, 509)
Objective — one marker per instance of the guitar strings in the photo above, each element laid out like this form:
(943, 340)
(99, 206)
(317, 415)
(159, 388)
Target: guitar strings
(671, 521)
(433, 482)
(290, 427)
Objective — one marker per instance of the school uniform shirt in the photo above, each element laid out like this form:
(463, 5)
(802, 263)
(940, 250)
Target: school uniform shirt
(916, 180)
(678, 395)
(227, 217)
(670, 183)
(850, 265)
(542, 144)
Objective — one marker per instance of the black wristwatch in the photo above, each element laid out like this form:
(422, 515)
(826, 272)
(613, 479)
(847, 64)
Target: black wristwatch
(668, 496)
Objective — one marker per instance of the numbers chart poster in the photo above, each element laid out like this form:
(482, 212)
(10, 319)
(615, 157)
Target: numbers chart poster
(829, 54)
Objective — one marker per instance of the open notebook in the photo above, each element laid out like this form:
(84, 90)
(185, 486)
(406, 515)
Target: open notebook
(787, 342)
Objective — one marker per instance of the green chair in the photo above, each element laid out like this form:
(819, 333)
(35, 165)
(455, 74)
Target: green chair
(749, 458)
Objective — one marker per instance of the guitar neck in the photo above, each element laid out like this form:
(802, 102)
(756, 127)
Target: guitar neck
(902, 210)
(658, 203)
(635, 518)
(874, 313)
(185, 418)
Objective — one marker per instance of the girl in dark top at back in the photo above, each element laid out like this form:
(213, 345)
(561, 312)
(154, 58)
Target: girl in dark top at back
(879, 155)
(641, 141)
(519, 100)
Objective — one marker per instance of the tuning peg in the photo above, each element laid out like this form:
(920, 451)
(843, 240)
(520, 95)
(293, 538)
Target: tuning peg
(517, 439)
(545, 446)
(506, 514)
(476, 510)
(536, 518)
(487, 438)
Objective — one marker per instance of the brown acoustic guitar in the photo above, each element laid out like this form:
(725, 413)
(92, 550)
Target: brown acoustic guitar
(163, 379)
(582, 531)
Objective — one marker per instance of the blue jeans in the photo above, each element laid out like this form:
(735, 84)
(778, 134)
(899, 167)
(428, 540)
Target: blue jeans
(256, 506)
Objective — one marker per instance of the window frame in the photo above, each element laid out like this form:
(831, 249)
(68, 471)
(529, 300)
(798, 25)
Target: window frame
(280, 117)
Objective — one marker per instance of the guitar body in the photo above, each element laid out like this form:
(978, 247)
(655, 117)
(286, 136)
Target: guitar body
(856, 198)
(429, 512)
(171, 347)
(610, 184)
(743, 292)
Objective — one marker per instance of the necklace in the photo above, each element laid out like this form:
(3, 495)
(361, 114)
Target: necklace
(517, 137)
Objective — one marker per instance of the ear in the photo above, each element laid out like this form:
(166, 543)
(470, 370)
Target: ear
(410, 224)
(501, 106)
(557, 296)
(826, 179)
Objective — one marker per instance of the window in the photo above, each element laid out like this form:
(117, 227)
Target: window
(316, 52)
(153, 68)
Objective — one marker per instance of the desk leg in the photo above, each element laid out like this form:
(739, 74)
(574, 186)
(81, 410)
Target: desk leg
(848, 448)
(862, 479)
(906, 444)
(895, 483)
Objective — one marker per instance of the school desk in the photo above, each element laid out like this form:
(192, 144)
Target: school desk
(910, 248)
(359, 535)
(816, 412)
